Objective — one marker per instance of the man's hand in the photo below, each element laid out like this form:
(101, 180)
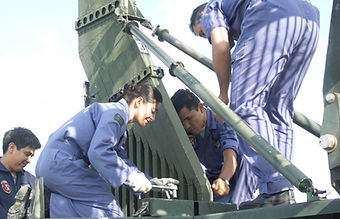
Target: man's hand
(139, 183)
(224, 97)
(220, 187)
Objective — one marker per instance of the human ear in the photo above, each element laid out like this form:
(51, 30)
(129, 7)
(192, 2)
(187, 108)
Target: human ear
(200, 107)
(139, 101)
(11, 147)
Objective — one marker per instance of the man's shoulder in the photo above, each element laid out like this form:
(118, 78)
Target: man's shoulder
(27, 174)
(3, 168)
(212, 121)
(27, 178)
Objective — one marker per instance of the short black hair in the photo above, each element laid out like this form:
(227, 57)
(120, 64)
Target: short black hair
(184, 98)
(21, 137)
(196, 16)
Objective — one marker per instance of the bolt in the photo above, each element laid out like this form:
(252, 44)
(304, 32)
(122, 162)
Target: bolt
(328, 142)
(330, 98)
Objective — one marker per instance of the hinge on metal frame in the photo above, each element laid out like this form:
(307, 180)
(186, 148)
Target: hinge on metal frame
(142, 210)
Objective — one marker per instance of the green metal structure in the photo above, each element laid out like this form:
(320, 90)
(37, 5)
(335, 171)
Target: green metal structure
(330, 130)
(114, 51)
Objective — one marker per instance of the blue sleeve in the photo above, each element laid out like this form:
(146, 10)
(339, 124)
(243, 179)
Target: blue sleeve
(228, 137)
(213, 17)
(28, 179)
(122, 153)
(3, 212)
(101, 152)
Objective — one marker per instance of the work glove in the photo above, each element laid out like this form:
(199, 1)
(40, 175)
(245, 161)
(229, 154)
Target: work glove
(139, 183)
(166, 185)
(163, 181)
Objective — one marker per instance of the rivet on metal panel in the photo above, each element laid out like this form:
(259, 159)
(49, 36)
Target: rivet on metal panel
(328, 142)
(330, 98)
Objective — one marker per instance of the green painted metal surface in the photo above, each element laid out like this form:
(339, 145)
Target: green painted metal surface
(38, 207)
(205, 207)
(331, 89)
(182, 208)
(163, 207)
(109, 56)
(327, 209)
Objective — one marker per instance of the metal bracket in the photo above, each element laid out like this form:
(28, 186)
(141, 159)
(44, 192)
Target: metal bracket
(142, 210)
(159, 32)
(127, 25)
(144, 22)
(96, 15)
(313, 195)
(148, 72)
(109, 9)
(173, 66)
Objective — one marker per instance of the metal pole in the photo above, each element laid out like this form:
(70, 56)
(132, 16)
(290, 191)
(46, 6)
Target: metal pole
(163, 34)
(274, 157)
(307, 124)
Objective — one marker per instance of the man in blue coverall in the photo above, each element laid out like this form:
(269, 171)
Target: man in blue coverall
(275, 44)
(19, 145)
(217, 148)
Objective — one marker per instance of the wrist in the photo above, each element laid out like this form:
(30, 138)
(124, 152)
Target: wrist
(225, 180)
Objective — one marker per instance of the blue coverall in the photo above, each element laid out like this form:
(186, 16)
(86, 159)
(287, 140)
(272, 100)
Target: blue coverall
(9, 188)
(276, 40)
(209, 149)
(93, 136)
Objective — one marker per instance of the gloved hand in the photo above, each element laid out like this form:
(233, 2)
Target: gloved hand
(139, 183)
(163, 181)
(166, 185)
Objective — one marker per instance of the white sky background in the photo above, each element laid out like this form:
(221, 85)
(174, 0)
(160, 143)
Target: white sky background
(41, 76)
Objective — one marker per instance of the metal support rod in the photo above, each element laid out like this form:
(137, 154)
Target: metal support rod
(163, 34)
(307, 124)
(268, 152)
